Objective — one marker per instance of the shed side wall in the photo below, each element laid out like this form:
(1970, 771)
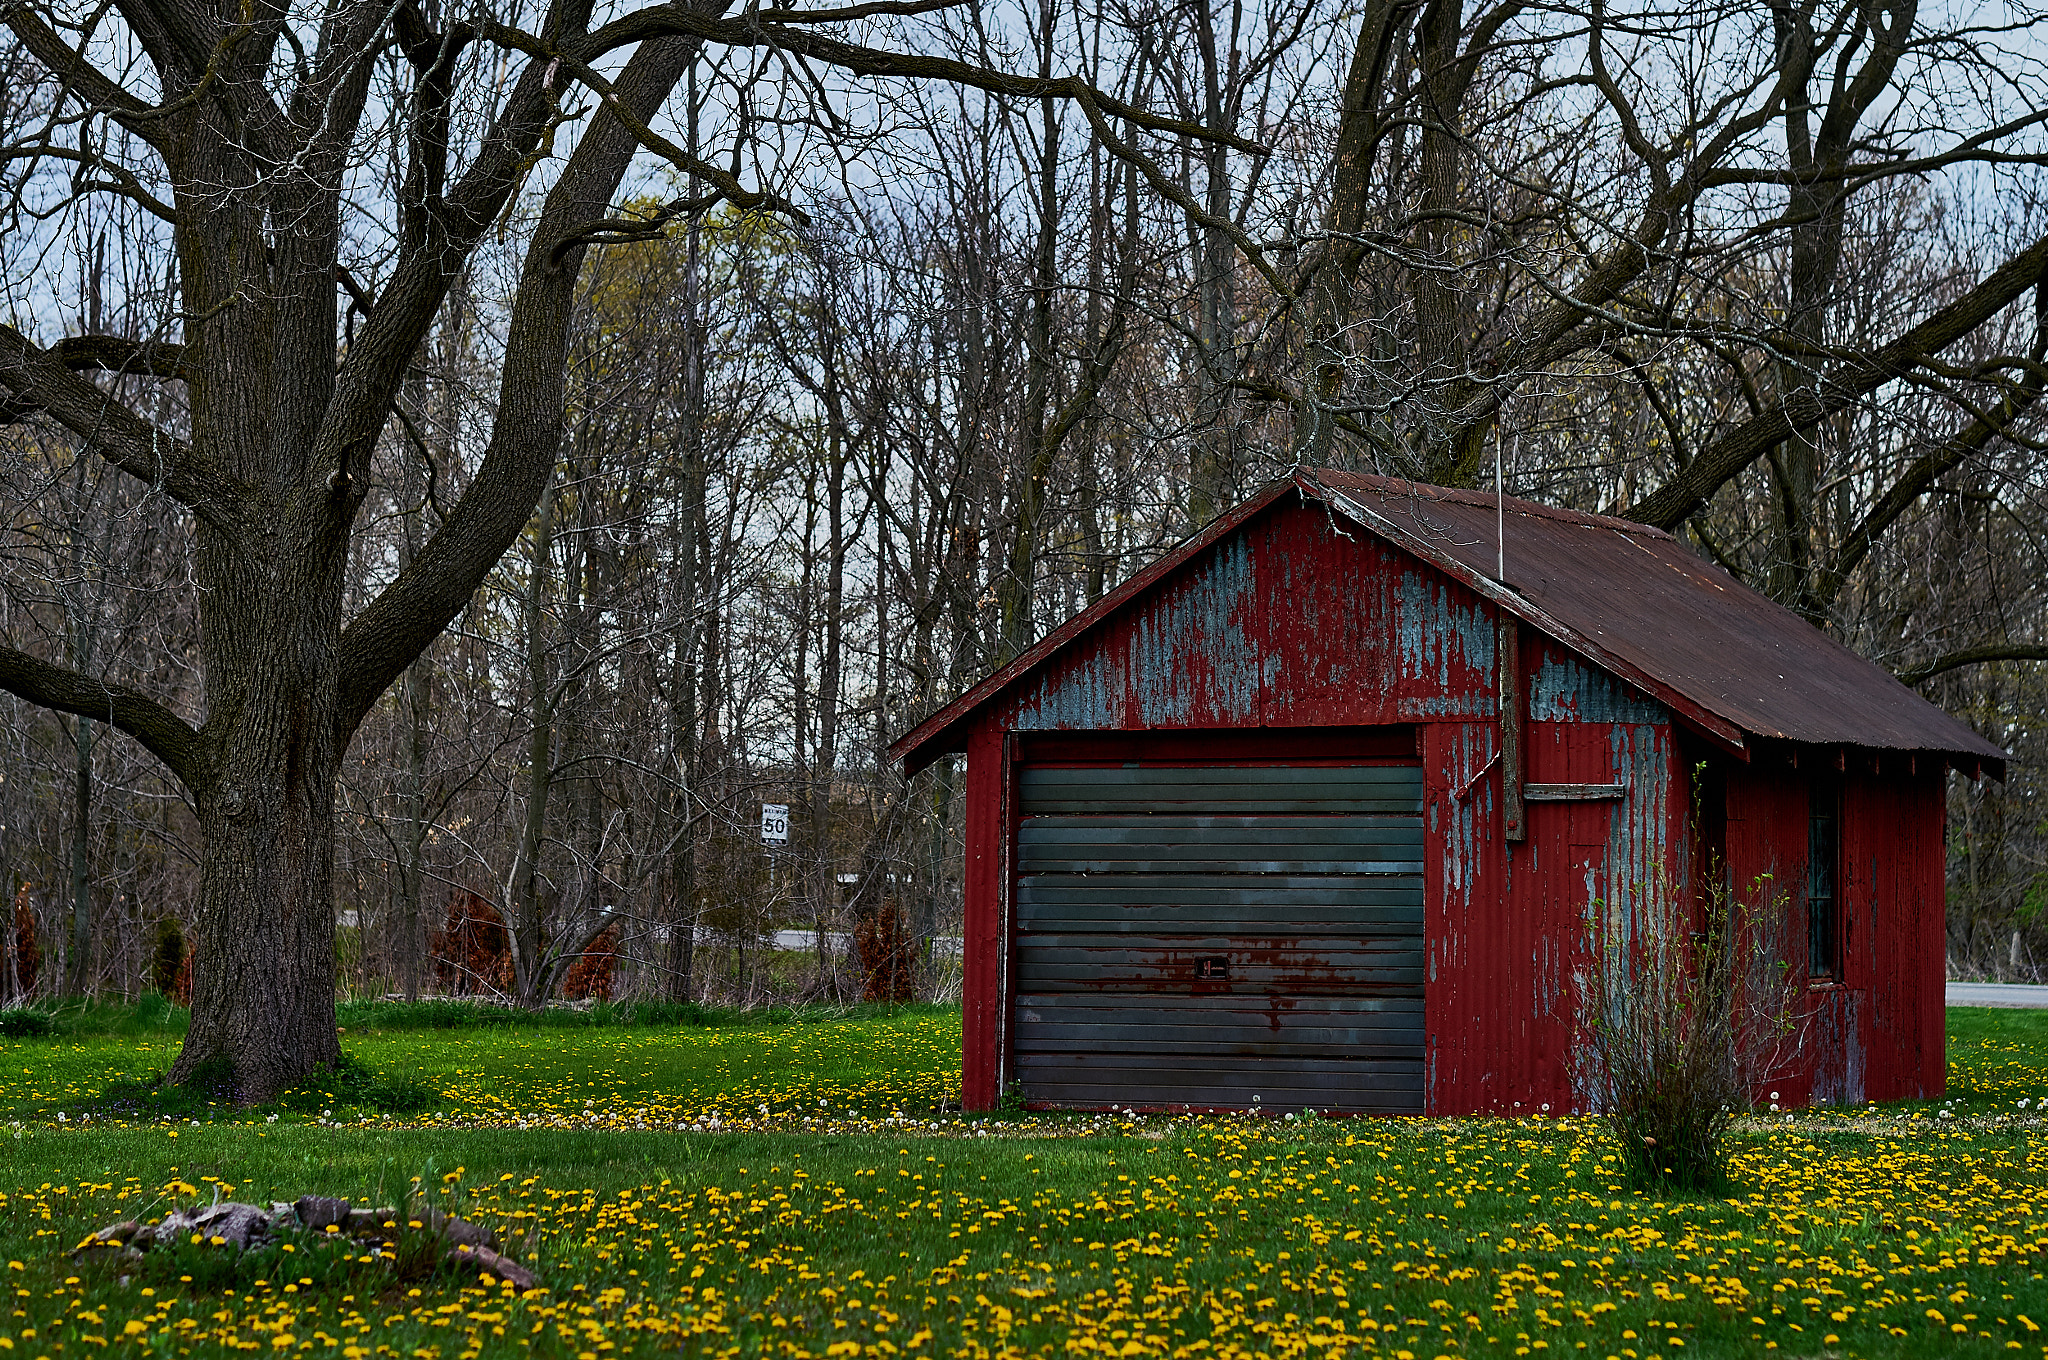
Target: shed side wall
(984, 939)
(1465, 877)
(1894, 874)
(1878, 1033)
(1766, 840)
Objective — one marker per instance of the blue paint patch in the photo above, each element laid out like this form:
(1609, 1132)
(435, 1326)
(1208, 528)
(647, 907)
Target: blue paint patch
(1193, 653)
(1440, 641)
(1078, 697)
(1465, 843)
(1639, 832)
(1641, 889)
(1568, 690)
(1185, 654)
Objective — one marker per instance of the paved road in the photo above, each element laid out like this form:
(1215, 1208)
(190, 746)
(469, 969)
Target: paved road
(1997, 994)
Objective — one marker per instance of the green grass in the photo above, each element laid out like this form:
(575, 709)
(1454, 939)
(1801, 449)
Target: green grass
(873, 1061)
(158, 1016)
(846, 1230)
(151, 1016)
(1996, 1056)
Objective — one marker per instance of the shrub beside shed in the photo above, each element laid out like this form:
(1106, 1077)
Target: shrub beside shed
(1313, 812)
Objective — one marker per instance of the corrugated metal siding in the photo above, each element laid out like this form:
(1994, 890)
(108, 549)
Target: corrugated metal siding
(1201, 936)
(985, 941)
(1894, 877)
(1879, 1034)
(1509, 924)
(1283, 624)
(1184, 656)
(1766, 846)
(1834, 1057)
(1467, 1067)
(1355, 631)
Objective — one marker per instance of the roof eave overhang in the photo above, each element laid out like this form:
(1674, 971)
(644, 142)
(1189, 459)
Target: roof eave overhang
(1972, 764)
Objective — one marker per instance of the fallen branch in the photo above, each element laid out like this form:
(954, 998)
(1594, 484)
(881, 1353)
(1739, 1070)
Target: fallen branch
(448, 1240)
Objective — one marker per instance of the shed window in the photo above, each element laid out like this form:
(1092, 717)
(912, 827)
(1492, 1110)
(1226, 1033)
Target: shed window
(1823, 904)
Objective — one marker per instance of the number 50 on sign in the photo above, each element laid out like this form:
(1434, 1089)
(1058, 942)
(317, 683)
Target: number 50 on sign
(775, 823)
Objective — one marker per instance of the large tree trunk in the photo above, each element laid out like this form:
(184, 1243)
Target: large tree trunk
(684, 677)
(78, 959)
(527, 930)
(263, 952)
(1212, 481)
(10, 974)
(418, 696)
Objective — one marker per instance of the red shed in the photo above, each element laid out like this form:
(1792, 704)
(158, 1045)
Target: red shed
(1313, 810)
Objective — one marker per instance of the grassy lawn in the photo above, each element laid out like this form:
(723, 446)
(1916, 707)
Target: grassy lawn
(909, 1059)
(857, 1219)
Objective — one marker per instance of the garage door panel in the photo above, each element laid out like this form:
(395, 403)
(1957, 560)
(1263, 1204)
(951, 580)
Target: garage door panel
(1111, 864)
(1369, 1085)
(1193, 936)
(1391, 1099)
(1153, 920)
(1238, 1074)
(1204, 1010)
(1320, 789)
(1241, 1043)
(1165, 830)
(1354, 1034)
(1249, 967)
(1157, 918)
(1197, 801)
(1227, 780)
(1194, 901)
(1189, 947)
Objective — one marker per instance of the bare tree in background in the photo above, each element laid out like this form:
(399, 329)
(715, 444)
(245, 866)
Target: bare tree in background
(250, 134)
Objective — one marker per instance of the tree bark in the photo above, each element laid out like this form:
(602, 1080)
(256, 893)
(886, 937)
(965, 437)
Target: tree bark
(417, 694)
(683, 677)
(1213, 478)
(10, 978)
(527, 930)
(78, 959)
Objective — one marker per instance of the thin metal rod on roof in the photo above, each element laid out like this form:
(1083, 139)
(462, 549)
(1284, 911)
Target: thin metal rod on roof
(1500, 512)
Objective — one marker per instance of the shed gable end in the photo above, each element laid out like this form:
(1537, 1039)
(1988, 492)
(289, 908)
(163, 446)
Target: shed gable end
(1286, 622)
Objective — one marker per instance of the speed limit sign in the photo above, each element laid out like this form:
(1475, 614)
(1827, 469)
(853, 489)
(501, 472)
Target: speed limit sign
(775, 823)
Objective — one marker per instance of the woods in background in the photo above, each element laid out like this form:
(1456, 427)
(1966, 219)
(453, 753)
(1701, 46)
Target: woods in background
(1768, 276)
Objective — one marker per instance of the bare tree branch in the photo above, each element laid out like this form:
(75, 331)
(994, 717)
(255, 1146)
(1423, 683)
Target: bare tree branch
(432, 590)
(1727, 456)
(41, 380)
(1974, 656)
(873, 61)
(607, 230)
(170, 738)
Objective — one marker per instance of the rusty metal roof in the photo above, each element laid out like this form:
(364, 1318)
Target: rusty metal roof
(1628, 597)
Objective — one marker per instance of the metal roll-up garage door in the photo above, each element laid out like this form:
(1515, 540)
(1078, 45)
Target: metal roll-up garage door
(1198, 935)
